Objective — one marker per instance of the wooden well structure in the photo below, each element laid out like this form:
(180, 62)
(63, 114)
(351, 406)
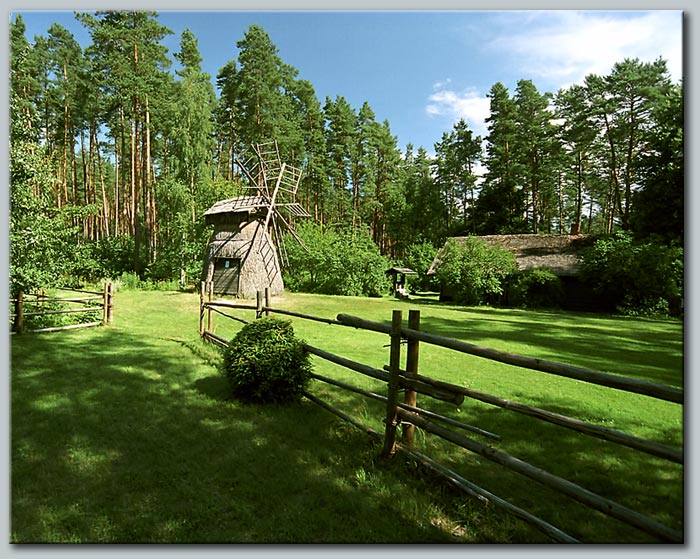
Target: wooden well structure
(398, 280)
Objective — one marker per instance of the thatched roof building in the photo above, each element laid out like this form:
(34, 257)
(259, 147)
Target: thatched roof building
(562, 254)
(559, 253)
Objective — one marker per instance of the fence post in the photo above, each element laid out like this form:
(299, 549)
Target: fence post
(110, 303)
(202, 289)
(267, 300)
(259, 304)
(105, 304)
(408, 430)
(19, 313)
(210, 297)
(393, 386)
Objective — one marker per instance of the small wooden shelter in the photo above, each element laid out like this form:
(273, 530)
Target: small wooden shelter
(398, 276)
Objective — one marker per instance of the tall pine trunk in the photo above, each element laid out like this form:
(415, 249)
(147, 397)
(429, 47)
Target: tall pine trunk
(105, 203)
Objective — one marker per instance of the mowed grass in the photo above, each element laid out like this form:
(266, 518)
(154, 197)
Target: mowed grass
(127, 434)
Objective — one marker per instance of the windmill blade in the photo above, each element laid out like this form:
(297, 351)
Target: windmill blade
(270, 163)
(280, 243)
(249, 164)
(291, 229)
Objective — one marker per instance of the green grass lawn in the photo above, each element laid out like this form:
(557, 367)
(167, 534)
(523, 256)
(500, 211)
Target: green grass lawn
(126, 433)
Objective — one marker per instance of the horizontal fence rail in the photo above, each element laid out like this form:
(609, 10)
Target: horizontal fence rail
(408, 414)
(578, 373)
(39, 301)
(606, 433)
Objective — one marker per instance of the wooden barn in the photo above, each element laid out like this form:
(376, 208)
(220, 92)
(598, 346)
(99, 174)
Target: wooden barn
(559, 253)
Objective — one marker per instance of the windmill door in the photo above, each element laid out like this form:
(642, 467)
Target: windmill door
(227, 273)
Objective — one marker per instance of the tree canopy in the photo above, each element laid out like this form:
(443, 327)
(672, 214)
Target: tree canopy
(125, 151)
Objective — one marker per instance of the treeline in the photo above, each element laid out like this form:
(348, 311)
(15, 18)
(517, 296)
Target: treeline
(127, 153)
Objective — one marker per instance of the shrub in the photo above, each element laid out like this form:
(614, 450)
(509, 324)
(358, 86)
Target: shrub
(266, 363)
(475, 271)
(336, 263)
(639, 278)
(129, 281)
(114, 254)
(536, 287)
(419, 257)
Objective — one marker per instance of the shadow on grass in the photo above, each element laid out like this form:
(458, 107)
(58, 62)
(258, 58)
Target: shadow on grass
(649, 485)
(121, 438)
(118, 438)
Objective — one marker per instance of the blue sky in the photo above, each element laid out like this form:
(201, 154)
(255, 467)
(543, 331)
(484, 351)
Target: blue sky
(423, 70)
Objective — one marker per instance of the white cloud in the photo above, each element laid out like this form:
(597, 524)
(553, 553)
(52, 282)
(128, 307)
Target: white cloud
(468, 104)
(442, 84)
(556, 48)
(565, 46)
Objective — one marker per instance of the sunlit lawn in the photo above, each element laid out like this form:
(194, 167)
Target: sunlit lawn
(126, 434)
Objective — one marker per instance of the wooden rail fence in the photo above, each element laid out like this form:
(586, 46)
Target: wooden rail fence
(33, 305)
(409, 416)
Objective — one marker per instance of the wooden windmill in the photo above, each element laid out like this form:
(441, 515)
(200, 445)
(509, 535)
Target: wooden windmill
(246, 249)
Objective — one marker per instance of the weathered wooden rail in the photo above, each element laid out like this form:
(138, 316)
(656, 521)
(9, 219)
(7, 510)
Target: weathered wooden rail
(93, 302)
(409, 416)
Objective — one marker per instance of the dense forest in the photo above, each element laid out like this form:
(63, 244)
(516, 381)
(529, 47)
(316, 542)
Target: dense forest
(115, 156)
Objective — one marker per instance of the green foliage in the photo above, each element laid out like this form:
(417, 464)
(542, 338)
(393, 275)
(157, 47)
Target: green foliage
(117, 100)
(40, 241)
(658, 207)
(456, 157)
(36, 322)
(638, 278)
(536, 287)
(419, 257)
(114, 254)
(474, 270)
(131, 281)
(128, 280)
(336, 263)
(266, 363)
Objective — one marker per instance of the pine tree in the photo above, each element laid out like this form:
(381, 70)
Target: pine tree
(225, 121)
(128, 54)
(534, 148)
(576, 133)
(261, 107)
(622, 105)
(386, 188)
(426, 212)
(501, 204)
(314, 182)
(457, 155)
(340, 138)
(658, 207)
(192, 133)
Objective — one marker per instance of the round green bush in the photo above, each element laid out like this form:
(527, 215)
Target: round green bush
(266, 363)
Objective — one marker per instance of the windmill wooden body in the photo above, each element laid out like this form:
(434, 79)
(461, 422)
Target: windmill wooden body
(246, 251)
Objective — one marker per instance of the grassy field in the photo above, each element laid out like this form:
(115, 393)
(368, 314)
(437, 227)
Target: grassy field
(126, 433)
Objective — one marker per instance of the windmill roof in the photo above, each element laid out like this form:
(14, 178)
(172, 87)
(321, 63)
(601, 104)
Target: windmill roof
(238, 204)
